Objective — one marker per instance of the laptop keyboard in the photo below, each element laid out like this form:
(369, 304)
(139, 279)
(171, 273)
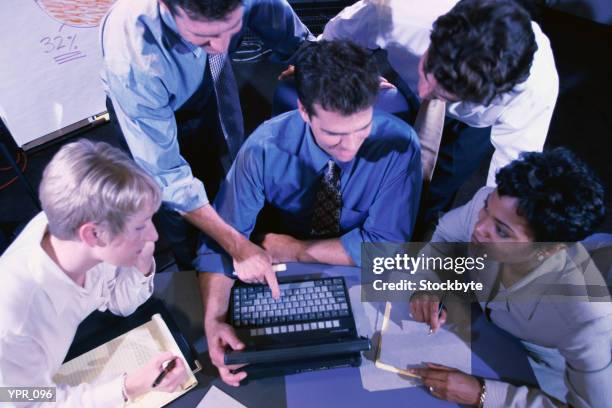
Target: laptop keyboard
(303, 306)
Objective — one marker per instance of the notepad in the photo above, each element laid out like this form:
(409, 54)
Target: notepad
(128, 353)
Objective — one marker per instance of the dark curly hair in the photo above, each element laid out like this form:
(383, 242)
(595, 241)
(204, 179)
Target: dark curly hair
(338, 75)
(204, 9)
(559, 195)
(481, 49)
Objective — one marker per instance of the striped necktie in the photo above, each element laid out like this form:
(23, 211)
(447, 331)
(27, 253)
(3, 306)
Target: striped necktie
(328, 203)
(228, 105)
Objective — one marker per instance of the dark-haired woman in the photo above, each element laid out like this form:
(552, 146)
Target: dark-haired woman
(551, 198)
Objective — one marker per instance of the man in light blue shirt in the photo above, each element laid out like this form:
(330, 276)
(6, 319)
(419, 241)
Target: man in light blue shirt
(284, 164)
(157, 74)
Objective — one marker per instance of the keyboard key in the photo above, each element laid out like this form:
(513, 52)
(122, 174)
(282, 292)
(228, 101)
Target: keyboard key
(283, 329)
(335, 323)
(275, 330)
(298, 327)
(313, 326)
(268, 330)
(291, 328)
(321, 325)
(328, 324)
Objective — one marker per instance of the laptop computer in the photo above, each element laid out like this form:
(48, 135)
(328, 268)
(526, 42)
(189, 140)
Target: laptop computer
(310, 327)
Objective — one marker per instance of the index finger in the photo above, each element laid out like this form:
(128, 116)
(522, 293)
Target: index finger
(430, 374)
(272, 282)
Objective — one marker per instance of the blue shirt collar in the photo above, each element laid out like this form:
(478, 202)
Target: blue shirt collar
(311, 149)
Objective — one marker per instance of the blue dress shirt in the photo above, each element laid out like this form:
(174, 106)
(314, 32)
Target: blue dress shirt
(150, 72)
(281, 165)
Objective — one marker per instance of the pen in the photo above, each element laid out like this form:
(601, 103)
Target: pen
(440, 308)
(168, 367)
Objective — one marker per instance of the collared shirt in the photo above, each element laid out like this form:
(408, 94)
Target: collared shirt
(150, 71)
(281, 165)
(519, 119)
(539, 310)
(41, 308)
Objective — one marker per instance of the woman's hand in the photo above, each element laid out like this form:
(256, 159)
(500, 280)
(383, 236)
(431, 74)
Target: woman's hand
(450, 384)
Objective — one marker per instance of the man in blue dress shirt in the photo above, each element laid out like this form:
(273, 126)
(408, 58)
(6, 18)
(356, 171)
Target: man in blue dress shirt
(167, 76)
(287, 169)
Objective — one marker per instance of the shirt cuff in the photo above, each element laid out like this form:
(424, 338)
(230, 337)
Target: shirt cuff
(139, 278)
(185, 196)
(148, 280)
(109, 394)
(215, 263)
(496, 393)
(351, 241)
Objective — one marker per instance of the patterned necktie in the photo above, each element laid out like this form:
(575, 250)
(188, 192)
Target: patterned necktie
(228, 105)
(428, 126)
(328, 203)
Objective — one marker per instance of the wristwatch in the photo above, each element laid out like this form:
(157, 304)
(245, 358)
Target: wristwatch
(483, 393)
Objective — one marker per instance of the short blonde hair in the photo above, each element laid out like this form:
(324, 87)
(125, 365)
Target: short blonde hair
(94, 182)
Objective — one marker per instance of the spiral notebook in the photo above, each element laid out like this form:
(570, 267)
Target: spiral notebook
(127, 353)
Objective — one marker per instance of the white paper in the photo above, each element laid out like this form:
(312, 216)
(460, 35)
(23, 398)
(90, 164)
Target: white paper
(407, 344)
(50, 65)
(215, 398)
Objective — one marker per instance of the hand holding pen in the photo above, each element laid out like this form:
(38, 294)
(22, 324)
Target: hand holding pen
(428, 308)
(167, 366)
(164, 372)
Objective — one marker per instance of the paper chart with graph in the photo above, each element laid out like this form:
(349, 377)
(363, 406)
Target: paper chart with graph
(50, 65)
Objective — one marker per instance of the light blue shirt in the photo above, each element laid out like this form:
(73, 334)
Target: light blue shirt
(150, 72)
(281, 165)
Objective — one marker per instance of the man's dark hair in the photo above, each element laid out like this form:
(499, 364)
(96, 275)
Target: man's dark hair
(481, 49)
(561, 198)
(203, 9)
(338, 75)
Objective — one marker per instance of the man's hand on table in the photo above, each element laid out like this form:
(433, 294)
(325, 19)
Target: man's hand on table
(282, 248)
(220, 337)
